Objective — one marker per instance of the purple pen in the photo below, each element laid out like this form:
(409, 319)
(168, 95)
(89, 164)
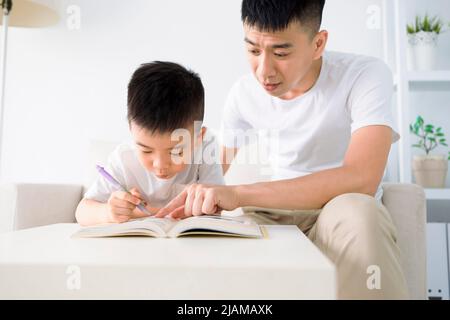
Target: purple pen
(116, 184)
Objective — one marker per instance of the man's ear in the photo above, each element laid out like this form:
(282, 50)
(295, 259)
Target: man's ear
(320, 42)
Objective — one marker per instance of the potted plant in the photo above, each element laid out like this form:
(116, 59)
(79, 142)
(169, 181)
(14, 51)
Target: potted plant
(429, 170)
(423, 42)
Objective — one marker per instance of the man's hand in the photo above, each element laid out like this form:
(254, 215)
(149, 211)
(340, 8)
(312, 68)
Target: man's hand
(198, 199)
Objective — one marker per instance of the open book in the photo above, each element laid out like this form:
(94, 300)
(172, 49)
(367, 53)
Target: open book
(167, 227)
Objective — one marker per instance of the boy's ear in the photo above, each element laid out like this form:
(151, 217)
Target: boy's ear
(199, 138)
(202, 133)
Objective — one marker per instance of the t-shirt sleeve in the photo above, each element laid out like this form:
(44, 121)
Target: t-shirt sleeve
(101, 189)
(210, 169)
(233, 123)
(370, 100)
(211, 174)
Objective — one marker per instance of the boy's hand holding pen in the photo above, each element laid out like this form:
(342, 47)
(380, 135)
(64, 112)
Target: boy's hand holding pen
(124, 204)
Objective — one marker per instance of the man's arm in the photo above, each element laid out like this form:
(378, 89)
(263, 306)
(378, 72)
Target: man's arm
(361, 172)
(227, 156)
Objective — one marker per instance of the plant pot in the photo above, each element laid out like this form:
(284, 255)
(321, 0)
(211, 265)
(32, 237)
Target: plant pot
(430, 171)
(423, 51)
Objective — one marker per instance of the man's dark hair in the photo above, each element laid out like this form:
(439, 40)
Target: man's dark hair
(165, 96)
(276, 15)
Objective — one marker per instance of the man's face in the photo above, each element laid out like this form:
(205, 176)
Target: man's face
(281, 60)
(164, 154)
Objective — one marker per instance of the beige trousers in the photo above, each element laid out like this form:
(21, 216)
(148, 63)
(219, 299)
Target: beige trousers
(357, 234)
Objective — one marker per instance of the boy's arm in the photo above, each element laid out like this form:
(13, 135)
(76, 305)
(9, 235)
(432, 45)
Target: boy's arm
(90, 212)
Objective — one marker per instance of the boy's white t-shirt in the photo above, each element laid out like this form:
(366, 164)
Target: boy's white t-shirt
(312, 132)
(124, 165)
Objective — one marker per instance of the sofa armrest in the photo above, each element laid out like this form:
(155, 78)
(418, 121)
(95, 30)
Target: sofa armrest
(25, 205)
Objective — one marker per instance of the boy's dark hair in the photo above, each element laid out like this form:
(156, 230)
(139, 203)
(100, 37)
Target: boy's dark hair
(165, 96)
(276, 15)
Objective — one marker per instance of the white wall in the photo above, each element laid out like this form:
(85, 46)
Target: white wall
(65, 87)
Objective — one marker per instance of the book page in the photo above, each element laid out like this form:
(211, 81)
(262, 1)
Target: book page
(217, 224)
(150, 226)
(164, 224)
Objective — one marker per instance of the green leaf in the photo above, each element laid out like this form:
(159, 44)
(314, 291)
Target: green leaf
(426, 24)
(420, 120)
(410, 29)
(440, 135)
(436, 25)
(437, 28)
(429, 128)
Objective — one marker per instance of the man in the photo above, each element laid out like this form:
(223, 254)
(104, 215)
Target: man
(332, 113)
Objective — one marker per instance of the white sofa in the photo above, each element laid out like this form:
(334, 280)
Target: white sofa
(24, 205)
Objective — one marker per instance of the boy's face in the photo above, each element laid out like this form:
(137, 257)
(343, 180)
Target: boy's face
(162, 154)
(281, 60)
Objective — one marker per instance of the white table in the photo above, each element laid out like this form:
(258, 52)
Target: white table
(46, 263)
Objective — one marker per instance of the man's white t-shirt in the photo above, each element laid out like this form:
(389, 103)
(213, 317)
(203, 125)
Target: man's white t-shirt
(312, 132)
(125, 167)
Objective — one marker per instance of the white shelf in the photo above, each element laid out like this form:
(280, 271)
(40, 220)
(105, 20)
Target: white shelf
(395, 47)
(425, 76)
(437, 194)
(429, 76)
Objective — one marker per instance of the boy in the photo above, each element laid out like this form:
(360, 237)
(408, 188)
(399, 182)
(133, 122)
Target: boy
(164, 99)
